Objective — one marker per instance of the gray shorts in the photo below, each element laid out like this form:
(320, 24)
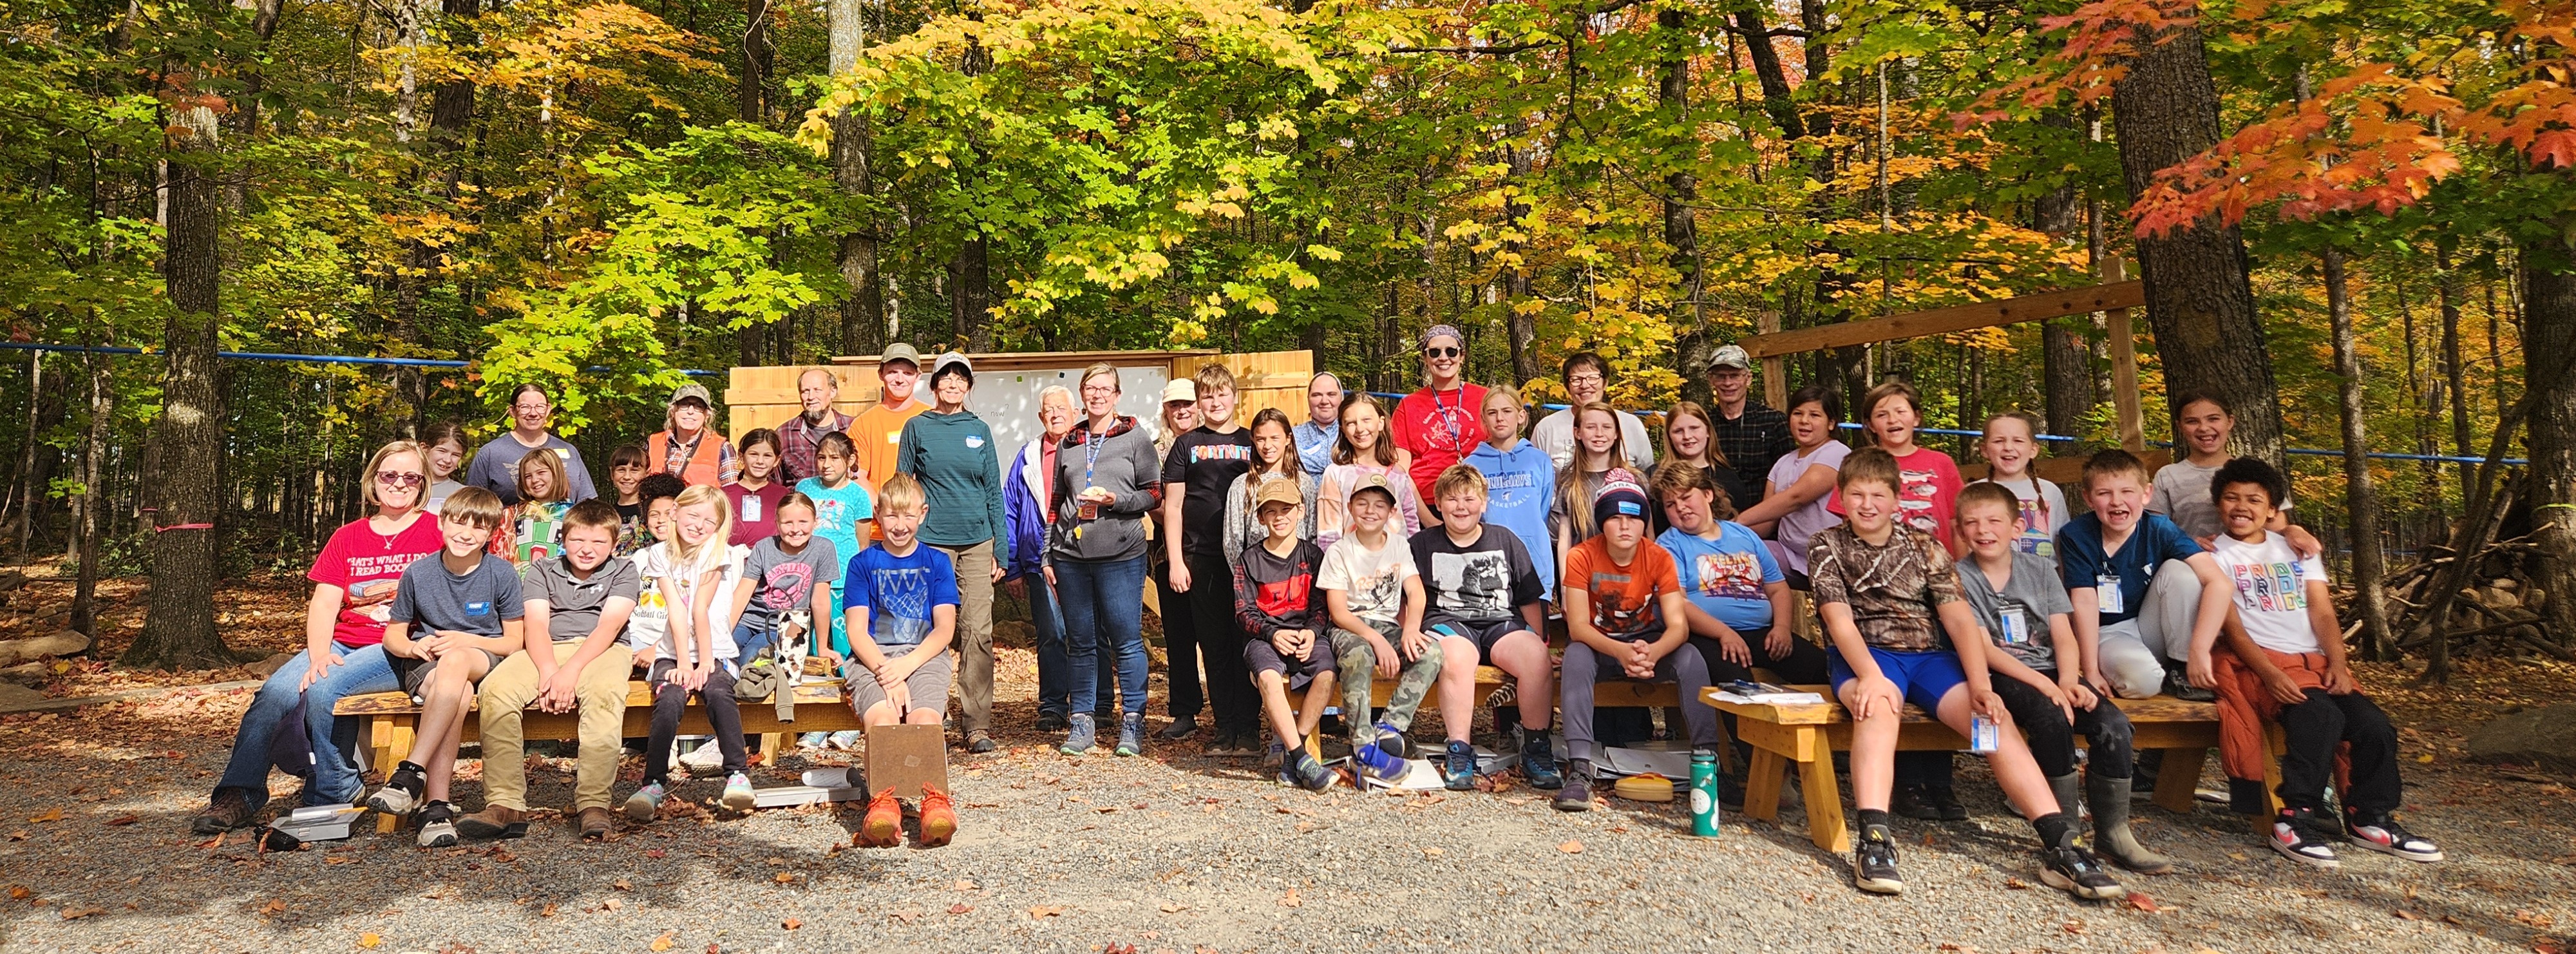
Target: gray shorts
(928, 685)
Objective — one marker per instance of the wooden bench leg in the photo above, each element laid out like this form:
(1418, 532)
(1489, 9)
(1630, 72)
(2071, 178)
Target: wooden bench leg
(1762, 785)
(2179, 779)
(771, 747)
(1824, 799)
(397, 735)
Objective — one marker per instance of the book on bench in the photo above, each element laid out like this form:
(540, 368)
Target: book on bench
(1766, 693)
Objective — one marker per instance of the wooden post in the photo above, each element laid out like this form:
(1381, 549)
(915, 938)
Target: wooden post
(2124, 365)
(1775, 369)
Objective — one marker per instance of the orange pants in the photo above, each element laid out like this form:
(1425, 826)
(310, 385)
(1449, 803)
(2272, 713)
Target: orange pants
(2245, 705)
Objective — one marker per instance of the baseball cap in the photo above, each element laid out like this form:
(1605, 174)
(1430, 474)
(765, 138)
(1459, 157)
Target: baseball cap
(1730, 356)
(1377, 482)
(1181, 390)
(692, 391)
(1620, 496)
(1276, 489)
(945, 359)
(899, 351)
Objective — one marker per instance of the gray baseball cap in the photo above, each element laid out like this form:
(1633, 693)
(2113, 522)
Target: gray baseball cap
(1730, 356)
(900, 351)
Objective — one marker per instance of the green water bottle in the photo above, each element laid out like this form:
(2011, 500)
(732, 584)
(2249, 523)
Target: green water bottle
(1703, 794)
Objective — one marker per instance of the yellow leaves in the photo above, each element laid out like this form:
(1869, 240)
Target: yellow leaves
(369, 940)
(662, 942)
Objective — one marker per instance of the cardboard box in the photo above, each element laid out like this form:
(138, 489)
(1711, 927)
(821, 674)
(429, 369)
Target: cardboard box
(906, 757)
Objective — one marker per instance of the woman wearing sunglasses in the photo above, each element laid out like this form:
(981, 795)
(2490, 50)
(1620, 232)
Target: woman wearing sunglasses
(344, 626)
(1440, 424)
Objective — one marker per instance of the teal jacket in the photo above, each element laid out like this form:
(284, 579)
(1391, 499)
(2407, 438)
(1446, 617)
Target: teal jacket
(961, 472)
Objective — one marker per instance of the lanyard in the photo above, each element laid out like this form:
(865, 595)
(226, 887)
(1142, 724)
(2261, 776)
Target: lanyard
(1447, 422)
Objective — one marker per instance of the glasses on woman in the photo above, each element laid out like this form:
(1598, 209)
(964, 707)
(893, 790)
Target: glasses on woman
(399, 479)
(1440, 352)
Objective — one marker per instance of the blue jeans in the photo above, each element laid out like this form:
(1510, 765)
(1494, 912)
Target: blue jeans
(751, 636)
(1104, 611)
(335, 777)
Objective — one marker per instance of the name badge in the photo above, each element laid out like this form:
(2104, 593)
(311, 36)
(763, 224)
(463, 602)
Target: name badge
(478, 609)
(2015, 626)
(750, 509)
(2107, 595)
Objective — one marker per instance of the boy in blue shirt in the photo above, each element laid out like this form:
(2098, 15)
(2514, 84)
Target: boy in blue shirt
(903, 595)
(2148, 600)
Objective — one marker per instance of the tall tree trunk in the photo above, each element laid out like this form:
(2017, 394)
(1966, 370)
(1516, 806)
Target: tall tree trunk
(863, 325)
(87, 521)
(973, 295)
(1776, 93)
(2066, 364)
(2454, 376)
(751, 90)
(419, 260)
(28, 477)
(2549, 377)
(180, 631)
(1691, 352)
(1523, 325)
(2368, 567)
(2199, 300)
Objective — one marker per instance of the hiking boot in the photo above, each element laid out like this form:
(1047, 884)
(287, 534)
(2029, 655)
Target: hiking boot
(1874, 862)
(401, 793)
(594, 823)
(1131, 735)
(980, 742)
(228, 810)
(938, 818)
(2111, 835)
(1052, 722)
(646, 802)
(1538, 761)
(1575, 795)
(494, 821)
(438, 825)
(738, 793)
(1181, 728)
(2382, 834)
(883, 825)
(2071, 869)
(2297, 835)
(2178, 684)
(1301, 770)
(1079, 738)
(1460, 774)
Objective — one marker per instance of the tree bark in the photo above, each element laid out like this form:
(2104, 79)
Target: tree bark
(2454, 375)
(1681, 235)
(1776, 94)
(180, 631)
(973, 298)
(2200, 302)
(86, 526)
(863, 325)
(751, 91)
(2066, 363)
(2549, 380)
(2368, 567)
(1516, 277)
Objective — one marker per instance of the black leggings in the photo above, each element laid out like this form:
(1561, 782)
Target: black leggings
(669, 701)
(1803, 664)
(2052, 737)
(2314, 728)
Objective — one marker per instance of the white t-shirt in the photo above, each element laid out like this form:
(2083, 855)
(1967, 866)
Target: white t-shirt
(1798, 526)
(1372, 580)
(1555, 435)
(2043, 513)
(2271, 583)
(654, 563)
(2181, 493)
(652, 617)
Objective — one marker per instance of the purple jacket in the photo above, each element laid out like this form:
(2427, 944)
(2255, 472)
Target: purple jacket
(1023, 514)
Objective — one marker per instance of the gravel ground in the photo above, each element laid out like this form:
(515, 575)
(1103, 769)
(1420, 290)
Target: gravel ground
(1180, 852)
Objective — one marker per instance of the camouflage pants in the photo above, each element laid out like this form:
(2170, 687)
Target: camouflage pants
(1358, 663)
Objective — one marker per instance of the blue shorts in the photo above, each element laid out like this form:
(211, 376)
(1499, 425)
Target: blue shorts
(1921, 678)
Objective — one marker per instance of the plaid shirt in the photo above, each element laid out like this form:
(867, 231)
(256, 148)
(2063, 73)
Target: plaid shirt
(1752, 443)
(797, 441)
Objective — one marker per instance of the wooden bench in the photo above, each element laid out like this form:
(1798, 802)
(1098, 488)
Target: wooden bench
(1652, 695)
(390, 721)
(1809, 735)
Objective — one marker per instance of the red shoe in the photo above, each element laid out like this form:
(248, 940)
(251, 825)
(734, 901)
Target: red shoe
(883, 826)
(938, 818)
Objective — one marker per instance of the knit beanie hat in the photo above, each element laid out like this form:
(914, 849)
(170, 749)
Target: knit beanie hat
(1620, 496)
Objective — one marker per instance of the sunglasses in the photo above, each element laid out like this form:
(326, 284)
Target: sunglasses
(395, 478)
(1440, 352)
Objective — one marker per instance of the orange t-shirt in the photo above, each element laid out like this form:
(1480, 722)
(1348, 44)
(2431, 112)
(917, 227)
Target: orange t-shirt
(1627, 601)
(876, 433)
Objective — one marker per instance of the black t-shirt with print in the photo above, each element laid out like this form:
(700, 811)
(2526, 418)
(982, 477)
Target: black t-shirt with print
(1482, 582)
(1207, 463)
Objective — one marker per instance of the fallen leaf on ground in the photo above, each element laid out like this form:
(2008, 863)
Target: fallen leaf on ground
(547, 911)
(2405, 915)
(1046, 911)
(75, 914)
(906, 915)
(1291, 900)
(274, 906)
(1432, 852)
(54, 814)
(791, 924)
(1571, 847)
(964, 884)
(783, 878)
(960, 907)
(18, 892)
(656, 854)
(370, 939)
(622, 884)
(2140, 901)
(611, 904)
(661, 943)
(2016, 884)
(1173, 907)
(124, 819)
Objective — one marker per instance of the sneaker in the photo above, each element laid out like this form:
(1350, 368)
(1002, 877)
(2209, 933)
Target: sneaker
(646, 802)
(2178, 684)
(2073, 870)
(1300, 769)
(228, 810)
(400, 794)
(2384, 835)
(1053, 722)
(938, 818)
(847, 740)
(1538, 762)
(1375, 763)
(1393, 742)
(1575, 795)
(1131, 735)
(1078, 739)
(883, 825)
(1874, 862)
(738, 794)
(1273, 755)
(594, 823)
(1460, 774)
(980, 742)
(1181, 728)
(438, 825)
(494, 821)
(2295, 836)
(814, 740)
(707, 758)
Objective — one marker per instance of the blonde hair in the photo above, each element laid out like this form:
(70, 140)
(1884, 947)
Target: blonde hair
(1458, 477)
(1212, 376)
(1508, 392)
(555, 489)
(1097, 369)
(1569, 482)
(474, 507)
(2030, 421)
(1693, 409)
(367, 485)
(712, 550)
(901, 492)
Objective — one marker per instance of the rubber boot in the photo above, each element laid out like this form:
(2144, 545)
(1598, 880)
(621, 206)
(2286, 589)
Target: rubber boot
(2111, 836)
(2063, 786)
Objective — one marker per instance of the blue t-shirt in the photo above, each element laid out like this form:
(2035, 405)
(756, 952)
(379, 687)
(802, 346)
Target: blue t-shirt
(836, 518)
(1520, 489)
(1724, 577)
(2083, 565)
(899, 591)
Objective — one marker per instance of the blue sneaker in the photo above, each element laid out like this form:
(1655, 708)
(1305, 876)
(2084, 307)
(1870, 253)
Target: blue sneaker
(1460, 774)
(1538, 762)
(1131, 735)
(814, 740)
(1394, 742)
(1377, 764)
(1080, 738)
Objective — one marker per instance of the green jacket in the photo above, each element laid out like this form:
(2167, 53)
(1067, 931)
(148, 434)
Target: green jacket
(960, 470)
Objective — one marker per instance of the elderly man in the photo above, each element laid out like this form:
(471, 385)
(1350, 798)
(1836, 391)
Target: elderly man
(496, 466)
(816, 389)
(1316, 435)
(1587, 379)
(1752, 436)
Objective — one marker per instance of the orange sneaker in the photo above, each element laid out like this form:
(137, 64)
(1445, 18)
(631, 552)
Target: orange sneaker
(883, 826)
(938, 818)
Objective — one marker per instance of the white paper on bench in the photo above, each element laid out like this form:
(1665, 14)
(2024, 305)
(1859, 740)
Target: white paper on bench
(1772, 698)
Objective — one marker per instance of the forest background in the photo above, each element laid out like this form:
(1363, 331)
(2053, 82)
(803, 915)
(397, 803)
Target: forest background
(2353, 220)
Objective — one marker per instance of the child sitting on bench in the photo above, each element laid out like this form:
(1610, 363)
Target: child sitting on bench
(902, 597)
(580, 599)
(2284, 662)
(1274, 603)
(1880, 586)
(452, 619)
(1483, 589)
(1626, 618)
(1373, 593)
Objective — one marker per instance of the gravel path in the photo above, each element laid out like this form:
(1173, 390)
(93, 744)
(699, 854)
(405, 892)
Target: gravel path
(1188, 854)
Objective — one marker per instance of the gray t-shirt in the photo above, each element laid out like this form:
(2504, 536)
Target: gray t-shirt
(477, 602)
(2182, 494)
(2017, 618)
(573, 606)
(787, 580)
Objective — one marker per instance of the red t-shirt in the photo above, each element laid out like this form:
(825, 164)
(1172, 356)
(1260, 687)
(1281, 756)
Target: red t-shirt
(755, 512)
(1927, 493)
(1439, 428)
(1627, 601)
(367, 566)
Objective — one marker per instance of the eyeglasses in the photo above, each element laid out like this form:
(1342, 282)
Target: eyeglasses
(396, 478)
(1440, 352)
(532, 408)
(1098, 389)
(1584, 379)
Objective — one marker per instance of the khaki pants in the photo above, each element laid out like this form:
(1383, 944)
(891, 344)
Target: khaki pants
(601, 696)
(974, 634)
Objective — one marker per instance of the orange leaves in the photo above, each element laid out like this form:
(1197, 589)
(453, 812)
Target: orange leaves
(2366, 140)
(2099, 38)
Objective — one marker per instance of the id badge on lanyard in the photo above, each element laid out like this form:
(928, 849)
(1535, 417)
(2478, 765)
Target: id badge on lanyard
(1087, 510)
(2015, 625)
(2106, 593)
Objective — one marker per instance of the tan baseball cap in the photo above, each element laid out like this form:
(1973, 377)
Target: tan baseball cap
(1276, 489)
(900, 351)
(1181, 390)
